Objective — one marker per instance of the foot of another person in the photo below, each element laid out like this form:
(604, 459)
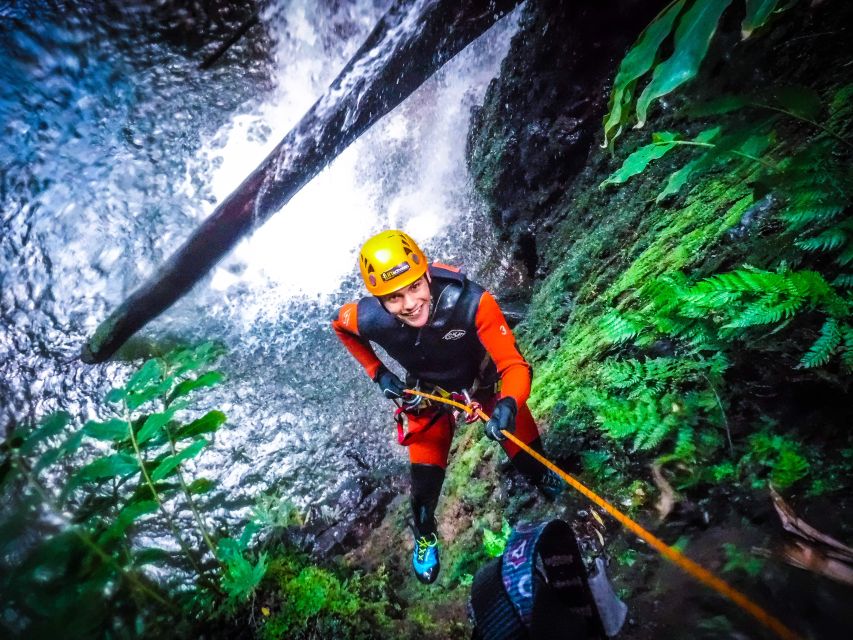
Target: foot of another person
(425, 560)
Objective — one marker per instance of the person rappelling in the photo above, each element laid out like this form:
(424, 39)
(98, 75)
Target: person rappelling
(452, 339)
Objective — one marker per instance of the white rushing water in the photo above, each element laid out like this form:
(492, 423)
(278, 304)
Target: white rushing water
(152, 166)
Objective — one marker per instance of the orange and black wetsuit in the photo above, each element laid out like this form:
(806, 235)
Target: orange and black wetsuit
(466, 344)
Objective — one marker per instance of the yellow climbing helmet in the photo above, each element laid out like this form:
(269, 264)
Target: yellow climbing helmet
(389, 261)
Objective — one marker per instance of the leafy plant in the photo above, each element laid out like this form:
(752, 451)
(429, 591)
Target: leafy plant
(775, 455)
(690, 26)
(737, 560)
(715, 146)
(102, 489)
(240, 576)
(313, 602)
(719, 308)
(494, 542)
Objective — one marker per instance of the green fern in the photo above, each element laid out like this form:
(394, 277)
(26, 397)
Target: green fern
(789, 467)
(821, 351)
(617, 328)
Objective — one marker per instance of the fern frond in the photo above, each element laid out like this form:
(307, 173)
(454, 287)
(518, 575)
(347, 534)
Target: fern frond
(617, 328)
(832, 238)
(742, 281)
(685, 444)
(805, 214)
(847, 352)
(821, 351)
(768, 309)
(651, 436)
(845, 257)
(843, 280)
(809, 284)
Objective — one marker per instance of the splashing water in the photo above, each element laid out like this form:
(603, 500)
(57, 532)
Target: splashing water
(115, 146)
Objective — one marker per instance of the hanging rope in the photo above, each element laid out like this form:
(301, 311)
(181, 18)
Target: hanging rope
(670, 553)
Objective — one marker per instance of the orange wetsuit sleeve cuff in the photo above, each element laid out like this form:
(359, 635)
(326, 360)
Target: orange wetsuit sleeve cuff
(346, 328)
(498, 340)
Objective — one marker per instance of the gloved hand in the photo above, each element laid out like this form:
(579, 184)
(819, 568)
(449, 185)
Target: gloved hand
(503, 419)
(391, 385)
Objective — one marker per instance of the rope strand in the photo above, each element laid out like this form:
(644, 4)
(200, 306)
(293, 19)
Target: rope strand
(670, 553)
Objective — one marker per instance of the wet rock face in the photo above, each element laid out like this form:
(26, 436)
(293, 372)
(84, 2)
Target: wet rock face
(543, 114)
(347, 519)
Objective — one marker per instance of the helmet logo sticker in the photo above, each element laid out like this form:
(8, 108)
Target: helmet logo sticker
(453, 334)
(396, 271)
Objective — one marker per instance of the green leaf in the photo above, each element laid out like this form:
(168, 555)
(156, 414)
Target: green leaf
(151, 371)
(113, 429)
(249, 531)
(241, 577)
(640, 159)
(821, 351)
(153, 424)
(116, 395)
(718, 106)
(151, 392)
(801, 102)
(692, 38)
(208, 423)
(679, 178)
(66, 448)
(208, 379)
(49, 426)
(200, 485)
(756, 145)
(757, 12)
(126, 517)
(635, 64)
(789, 468)
(170, 463)
(118, 464)
(150, 555)
(228, 548)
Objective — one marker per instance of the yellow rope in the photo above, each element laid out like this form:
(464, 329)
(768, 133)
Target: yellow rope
(671, 553)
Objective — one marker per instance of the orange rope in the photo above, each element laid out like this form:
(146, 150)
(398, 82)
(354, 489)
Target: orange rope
(670, 553)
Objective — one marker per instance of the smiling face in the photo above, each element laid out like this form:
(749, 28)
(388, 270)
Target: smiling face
(410, 305)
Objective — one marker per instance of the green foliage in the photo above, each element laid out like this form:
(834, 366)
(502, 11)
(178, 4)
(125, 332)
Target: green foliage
(637, 62)
(737, 560)
(721, 309)
(715, 148)
(494, 542)
(692, 38)
(315, 602)
(240, 576)
(775, 457)
(628, 557)
(640, 159)
(689, 26)
(122, 479)
(598, 464)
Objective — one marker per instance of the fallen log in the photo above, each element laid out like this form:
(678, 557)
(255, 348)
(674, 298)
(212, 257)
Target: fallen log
(412, 41)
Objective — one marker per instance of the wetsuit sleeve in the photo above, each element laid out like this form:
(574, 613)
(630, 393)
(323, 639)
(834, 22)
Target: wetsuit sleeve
(346, 328)
(496, 337)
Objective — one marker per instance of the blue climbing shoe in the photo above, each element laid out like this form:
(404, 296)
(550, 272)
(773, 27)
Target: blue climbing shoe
(551, 485)
(425, 560)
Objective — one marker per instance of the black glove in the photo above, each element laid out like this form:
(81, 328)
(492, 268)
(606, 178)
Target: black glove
(503, 419)
(391, 385)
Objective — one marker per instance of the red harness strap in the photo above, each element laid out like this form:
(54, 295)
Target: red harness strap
(404, 437)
